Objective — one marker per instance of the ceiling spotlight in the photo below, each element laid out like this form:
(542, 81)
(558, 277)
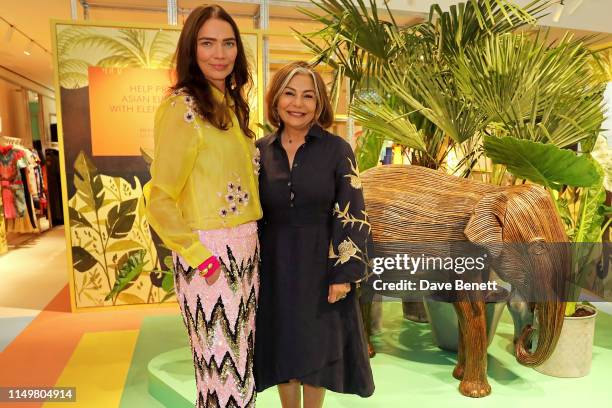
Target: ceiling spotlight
(574, 7)
(558, 12)
(28, 51)
(9, 33)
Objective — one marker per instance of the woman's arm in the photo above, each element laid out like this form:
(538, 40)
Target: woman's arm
(177, 142)
(350, 227)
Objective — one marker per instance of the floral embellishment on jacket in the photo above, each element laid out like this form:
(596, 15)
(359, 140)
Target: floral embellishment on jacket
(189, 116)
(354, 179)
(189, 102)
(257, 161)
(236, 197)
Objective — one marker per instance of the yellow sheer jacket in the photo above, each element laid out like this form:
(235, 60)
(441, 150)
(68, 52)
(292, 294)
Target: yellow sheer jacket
(202, 178)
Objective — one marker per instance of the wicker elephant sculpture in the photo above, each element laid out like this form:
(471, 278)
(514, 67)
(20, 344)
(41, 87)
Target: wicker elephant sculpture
(416, 204)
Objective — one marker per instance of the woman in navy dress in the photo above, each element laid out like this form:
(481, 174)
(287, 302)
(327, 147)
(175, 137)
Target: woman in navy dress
(310, 335)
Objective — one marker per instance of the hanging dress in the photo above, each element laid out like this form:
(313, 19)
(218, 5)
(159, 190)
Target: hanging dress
(11, 183)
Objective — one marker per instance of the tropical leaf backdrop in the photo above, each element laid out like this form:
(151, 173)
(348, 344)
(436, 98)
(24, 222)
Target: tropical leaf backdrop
(116, 258)
(79, 47)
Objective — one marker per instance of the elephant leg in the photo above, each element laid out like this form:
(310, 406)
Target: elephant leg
(460, 367)
(471, 317)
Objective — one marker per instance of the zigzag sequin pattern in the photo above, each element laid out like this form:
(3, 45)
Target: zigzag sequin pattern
(222, 336)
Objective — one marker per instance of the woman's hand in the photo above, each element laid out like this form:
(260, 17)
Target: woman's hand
(215, 276)
(211, 269)
(338, 291)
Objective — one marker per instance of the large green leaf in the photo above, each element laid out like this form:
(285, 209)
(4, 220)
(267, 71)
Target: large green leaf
(541, 163)
(121, 218)
(128, 272)
(88, 182)
(82, 260)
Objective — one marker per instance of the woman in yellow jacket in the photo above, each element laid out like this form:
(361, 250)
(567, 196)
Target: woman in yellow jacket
(203, 202)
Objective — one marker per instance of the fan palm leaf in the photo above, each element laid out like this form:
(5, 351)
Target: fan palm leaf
(383, 119)
(432, 93)
(532, 90)
(158, 51)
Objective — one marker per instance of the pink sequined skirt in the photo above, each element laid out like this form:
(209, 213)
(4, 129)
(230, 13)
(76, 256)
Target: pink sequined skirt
(220, 318)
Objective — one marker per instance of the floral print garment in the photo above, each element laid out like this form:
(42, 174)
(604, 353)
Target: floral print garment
(351, 230)
(11, 183)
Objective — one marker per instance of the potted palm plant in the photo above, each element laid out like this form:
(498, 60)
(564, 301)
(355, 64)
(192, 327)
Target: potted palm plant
(584, 213)
(371, 51)
(579, 191)
(466, 80)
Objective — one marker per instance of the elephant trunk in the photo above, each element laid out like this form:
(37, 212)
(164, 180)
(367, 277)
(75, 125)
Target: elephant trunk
(550, 316)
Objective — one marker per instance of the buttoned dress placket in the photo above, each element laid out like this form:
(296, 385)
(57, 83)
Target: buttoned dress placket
(291, 171)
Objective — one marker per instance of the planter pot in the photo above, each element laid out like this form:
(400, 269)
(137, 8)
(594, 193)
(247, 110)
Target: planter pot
(573, 354)
(414, 311)
(444, 323)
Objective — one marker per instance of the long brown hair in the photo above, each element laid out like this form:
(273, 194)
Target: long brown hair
(189, 75)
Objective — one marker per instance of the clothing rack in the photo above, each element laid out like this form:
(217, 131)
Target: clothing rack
(30, 222)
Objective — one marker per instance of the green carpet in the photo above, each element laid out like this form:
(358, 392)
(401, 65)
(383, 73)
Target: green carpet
(408, 370)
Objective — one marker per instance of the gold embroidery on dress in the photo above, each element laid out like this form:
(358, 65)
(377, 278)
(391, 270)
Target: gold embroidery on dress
(346, 250)
(347, 218)
(355, 181)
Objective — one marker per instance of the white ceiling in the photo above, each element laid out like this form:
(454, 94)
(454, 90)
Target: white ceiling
(33, 17)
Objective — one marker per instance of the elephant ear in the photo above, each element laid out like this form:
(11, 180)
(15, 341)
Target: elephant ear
(486, 224)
